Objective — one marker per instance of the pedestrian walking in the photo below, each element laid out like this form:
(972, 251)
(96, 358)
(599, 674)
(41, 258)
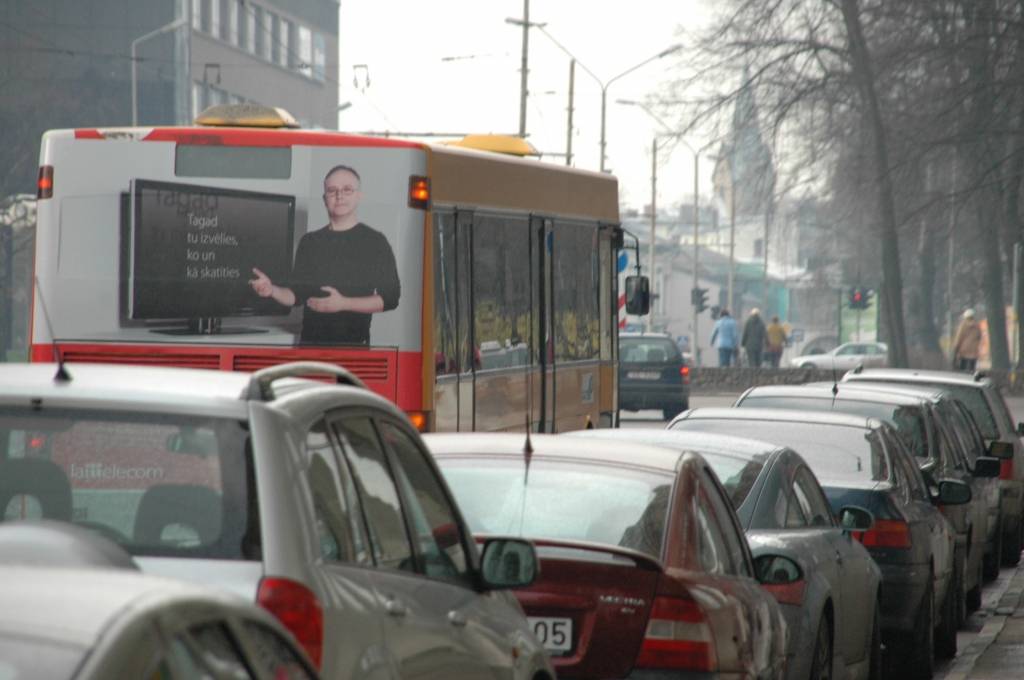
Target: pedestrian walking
(754, 334)
(725, 333)
(967, 343)
(775, 341)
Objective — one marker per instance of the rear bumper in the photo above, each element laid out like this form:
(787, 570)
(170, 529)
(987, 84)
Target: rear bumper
(1010, 504)
(634, 397)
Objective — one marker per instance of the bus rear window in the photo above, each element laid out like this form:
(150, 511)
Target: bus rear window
(241, 162)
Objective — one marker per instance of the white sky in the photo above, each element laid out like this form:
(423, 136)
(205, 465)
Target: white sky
(413, 89)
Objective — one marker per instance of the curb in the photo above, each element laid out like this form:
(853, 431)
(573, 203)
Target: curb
(964, 663)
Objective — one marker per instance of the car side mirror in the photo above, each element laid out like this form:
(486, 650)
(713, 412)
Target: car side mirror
(638, 295)
(987, 467)
(855, 518)
(776, 570)
(1001, 450)
(508, 563)
(953, 492)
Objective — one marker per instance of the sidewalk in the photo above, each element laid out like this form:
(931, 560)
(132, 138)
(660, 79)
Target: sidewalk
(998, 650)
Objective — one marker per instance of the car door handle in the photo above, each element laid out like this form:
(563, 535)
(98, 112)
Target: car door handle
(456, 618)
(394, 607)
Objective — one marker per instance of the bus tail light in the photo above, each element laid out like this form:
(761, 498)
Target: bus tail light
(678, 637)
(419, 420)
(297, 608)
(419, 192)
(1006, 468)
(885, 533)
(44, 187)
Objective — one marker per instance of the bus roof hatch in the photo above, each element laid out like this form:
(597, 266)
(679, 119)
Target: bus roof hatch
(507, 144)
(246, 115)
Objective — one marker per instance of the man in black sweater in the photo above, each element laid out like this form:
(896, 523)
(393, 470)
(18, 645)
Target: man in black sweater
(343, 273)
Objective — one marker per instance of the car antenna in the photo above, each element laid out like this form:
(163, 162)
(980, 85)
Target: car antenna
(62, 375)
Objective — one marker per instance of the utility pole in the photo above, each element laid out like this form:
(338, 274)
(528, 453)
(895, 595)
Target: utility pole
(695, 344)
(654, 218)
(568, 135)
(732, 238)
(524, 73)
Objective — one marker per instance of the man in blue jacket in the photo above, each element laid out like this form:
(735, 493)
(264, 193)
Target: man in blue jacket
(726, 333)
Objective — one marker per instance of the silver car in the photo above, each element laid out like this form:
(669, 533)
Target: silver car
(71, 609)
(317, 501)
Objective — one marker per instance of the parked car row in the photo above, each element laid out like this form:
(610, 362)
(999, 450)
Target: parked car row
(795, 536)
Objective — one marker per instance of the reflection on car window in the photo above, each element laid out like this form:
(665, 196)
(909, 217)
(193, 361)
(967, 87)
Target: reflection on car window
(561, 500)
(437, 530)
(274, 655)
(218, 653)
(377, 492)
(339, 523)
(819, 512)
(737, 474)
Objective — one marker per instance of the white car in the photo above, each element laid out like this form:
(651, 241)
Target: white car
(847, 356)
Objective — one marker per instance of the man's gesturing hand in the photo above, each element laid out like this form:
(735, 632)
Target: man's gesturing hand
(332, 302)
(262, 284)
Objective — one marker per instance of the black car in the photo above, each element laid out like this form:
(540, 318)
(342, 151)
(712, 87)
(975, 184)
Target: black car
(863, 462)
(652, 374)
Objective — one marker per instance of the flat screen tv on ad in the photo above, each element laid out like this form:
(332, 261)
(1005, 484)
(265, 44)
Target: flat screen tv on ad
(192, 249)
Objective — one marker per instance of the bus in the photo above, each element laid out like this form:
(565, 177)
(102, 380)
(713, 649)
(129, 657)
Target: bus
(475, 289)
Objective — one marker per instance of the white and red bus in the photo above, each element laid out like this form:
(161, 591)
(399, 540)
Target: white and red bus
(504, 308)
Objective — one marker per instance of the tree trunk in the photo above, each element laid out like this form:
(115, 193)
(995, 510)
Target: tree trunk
(892, 283)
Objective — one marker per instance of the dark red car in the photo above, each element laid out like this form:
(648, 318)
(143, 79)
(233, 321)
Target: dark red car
(644, 566)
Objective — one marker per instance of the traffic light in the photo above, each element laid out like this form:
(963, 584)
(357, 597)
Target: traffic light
(699, 298)
(857, 298)
(867, 297)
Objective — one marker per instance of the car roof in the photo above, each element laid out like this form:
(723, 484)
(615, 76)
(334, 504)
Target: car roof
(915, 375)
(685, 440)
(152, 388)
(88, 600)
(923, 391)
(846, 391)
(786, 415)
(554, 446)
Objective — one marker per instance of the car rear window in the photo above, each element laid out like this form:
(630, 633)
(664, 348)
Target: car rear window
(648, 350)
(908, 420)
(736, 474)
(156, 484)
(562, 501)
(974, 399)
(835, 453)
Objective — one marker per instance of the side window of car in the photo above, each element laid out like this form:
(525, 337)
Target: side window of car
(731, 533)
(339, 523)
(435, 526)
(274, 654)
(820, 512)
(710, 546)
(913, 480)
(796, 517)
(377, 492)
(205, 651)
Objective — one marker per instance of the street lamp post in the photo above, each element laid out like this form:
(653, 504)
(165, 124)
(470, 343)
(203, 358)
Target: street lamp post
(166, 28)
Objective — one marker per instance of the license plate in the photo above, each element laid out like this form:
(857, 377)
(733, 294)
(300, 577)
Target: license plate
(643, 375)
(555, 634)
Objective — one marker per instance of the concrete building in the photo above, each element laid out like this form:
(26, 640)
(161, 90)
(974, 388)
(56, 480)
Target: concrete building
(68, 63)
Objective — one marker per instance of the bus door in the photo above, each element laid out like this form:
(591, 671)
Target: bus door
(466, 346)
(542, 374)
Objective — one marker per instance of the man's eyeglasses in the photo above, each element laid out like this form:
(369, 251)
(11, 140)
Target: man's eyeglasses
(337, 193)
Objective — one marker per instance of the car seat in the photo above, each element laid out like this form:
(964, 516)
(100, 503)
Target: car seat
(197, 508)
(38, 478)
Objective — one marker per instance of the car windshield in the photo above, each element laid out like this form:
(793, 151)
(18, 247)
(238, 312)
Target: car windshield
(157, 484)
(562, 501)
(908, 420)
(835, 453)
(648, 350)
(736, 474)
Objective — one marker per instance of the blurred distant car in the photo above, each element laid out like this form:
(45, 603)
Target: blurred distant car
(863, 462)
(833, 611)
(985, 403)
(652, 374)
(845, 357)
(317, 501)
(97, 621)
(645, 571)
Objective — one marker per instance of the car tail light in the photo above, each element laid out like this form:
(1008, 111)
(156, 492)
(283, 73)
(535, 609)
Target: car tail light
(685, 373)
(885, 533)
(787, 593)
(1006, 468)
(44, 185)
(297, 608)
(678, 636)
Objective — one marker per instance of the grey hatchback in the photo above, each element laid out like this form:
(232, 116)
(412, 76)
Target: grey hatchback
(652, 374)
(317, 501)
